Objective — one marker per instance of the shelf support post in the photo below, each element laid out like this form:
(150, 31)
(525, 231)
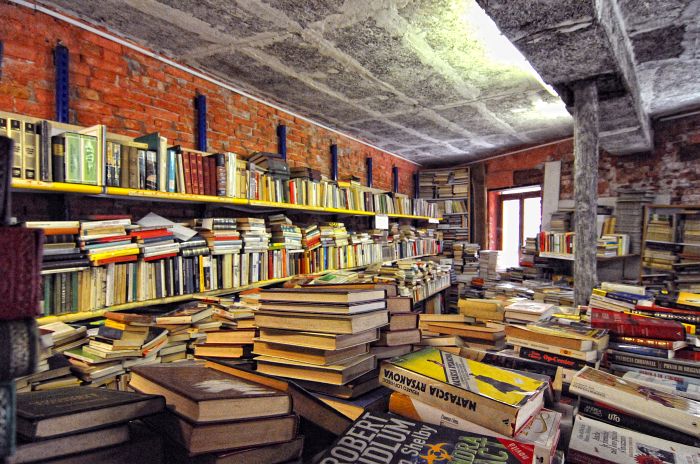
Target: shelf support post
(200, 105)
(586, 126)
(61, 63)
(334, 162)
(282, 141)
(369, 171)
(395, 178)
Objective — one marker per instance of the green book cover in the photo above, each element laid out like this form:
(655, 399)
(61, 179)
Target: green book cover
(73, 158)
(89, 157)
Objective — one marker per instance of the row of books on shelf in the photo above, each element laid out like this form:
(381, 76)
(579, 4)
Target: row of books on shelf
(57, 152)
(444, 183)
(608, 245)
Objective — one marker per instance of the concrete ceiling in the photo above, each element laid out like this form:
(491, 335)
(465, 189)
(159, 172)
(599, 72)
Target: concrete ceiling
(434, 80)
(431, 80)
(644, 55)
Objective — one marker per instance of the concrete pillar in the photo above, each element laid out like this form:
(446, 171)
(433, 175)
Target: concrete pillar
(585, 188)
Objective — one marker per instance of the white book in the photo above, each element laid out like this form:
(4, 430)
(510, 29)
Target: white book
(598, 442)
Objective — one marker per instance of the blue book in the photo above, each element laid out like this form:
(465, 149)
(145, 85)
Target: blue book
(642, 350)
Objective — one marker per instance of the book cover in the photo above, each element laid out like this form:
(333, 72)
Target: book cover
(44, 414)
(73, 158)
(672, 411)
(20, 263)
(388, 439)
(58, 158)
(496, 398)
(594, 442)
(30, 155)
(90, 165)
(673, 366)
(636, 326)
(15, 133)
(567, 362)
(151, 170)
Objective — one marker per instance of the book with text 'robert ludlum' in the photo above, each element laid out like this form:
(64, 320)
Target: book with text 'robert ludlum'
(669, 410)
(377, 438)
(501, 400)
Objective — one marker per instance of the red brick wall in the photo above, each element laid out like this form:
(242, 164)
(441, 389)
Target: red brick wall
(133, 94)
(665, 170)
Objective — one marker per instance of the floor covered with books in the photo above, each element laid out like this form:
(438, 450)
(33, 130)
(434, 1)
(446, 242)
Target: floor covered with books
(349, 232)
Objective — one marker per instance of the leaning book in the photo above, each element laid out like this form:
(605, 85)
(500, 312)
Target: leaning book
(498, 399)
(594, 442)
(673, 411)
(378, 438)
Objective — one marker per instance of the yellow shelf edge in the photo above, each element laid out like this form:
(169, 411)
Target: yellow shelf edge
(158, 195)
(58, 187)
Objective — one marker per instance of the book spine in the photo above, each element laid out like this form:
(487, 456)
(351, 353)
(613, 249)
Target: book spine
(657, 364)
(200, 174)
(109, 165)
(90, 166)
(152, 180)
(15, 133)
(58, 158)
(142, 156)
(205, 174)
(453, 400)
(133, 167)
(555, 359)
(187, 168)
(643, 350)
(576, 354)
(578, 457)
(692, 318)
(43, 131)
(172, 170)
(18, 348)
(650, 342)
(604, 413)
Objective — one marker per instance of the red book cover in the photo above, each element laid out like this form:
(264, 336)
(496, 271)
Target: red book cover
(108, 217)
(292, 193)
(152, 233)
(20, 266)
(188, 172)
(116, 259)
(205, 175)
(153, 258)
(213, 176)
(636, 326)
(685, 316)
(200, 174)
(688, 355)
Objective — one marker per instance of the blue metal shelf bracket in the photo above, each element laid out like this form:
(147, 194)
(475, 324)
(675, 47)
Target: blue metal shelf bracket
(415, 185)
(200, 106)
(369, 172)
(334, 162)
(61, 62)
(282, 141)
(395, 178)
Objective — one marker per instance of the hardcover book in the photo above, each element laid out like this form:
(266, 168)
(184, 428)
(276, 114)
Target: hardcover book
(64, 411)
(20, 264)
(18, 348)
(496, 398)
(418, 443)
(204, 395)
(636, 326)
(321, 295)
(594, 442)
(672, 411)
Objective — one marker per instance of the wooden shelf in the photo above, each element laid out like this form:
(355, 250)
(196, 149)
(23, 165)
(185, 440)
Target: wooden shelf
(119, 192)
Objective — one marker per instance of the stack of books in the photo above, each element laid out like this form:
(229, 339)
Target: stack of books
(211, 415)
(511, 413)
(658, 257)
(155, 242)
(318, 334)
(488, 335)
(221, 235)
(65, 422)
(107, 241)
(285, 235)
(310, 237)
(629, 211)
(334, 234)
(234, 338)
(398, 337)
(607, 296)
(650, 424)
(61, 252)
(187, 327)
(252, 230)
(522, 312)
(571, 346)
(659, 228)
(561, 221)
(488, 260)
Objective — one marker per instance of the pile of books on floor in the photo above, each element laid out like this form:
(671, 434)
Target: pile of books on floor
(465, 261)
(488, 335)
(477, 413)
(234, 337)
(301, 331)
(77, 424)
(558, 295)
(523, 312)
(215, 417)
(482, 310)
(569, 345)
(649, 424)
(398, 337)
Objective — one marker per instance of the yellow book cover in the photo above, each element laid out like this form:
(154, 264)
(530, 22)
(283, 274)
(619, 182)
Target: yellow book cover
(500, 399)
(114, 254)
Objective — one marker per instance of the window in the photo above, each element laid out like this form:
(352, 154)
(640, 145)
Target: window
(519, 217)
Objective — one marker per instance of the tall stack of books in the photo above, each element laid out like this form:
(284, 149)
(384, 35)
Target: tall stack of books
(252, 230)
(211, 415)
(310, 237)
(81, 423)
(571, 346)
(651, 424)
(318, 334)
(488, 260)
(629, 211)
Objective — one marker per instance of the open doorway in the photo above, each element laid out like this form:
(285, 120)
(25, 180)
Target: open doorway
(518, 216)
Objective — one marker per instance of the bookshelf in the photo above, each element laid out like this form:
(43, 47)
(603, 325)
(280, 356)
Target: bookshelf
(450, 190)
(670, 247)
